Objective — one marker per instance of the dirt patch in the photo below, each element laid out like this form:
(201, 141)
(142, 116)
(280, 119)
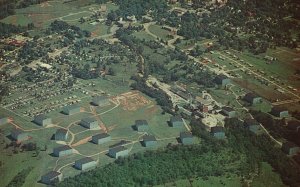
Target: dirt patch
(132, 100)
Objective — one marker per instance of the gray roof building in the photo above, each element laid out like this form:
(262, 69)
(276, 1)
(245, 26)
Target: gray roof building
(62, 151)
(186, 138)
(218, 132)
(90, 123)
(101, 138)
(149, 141)
(141, 125)
(100, 101)
(290, 148)
(3, 120)
(228, 111)
(71, 109)
(176, 121)
(119, 151)
(280, 112)
(252, 125)
(42, 120)
(19, 135)
(61, 135)
(252, 98)
(51, 177)
(85, 163)
(222, 80)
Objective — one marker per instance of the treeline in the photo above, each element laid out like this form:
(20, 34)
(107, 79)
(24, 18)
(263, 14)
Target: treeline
(161, 97)
(159, 167)
(20, 178)
(7, 7)
(7, 30)
(138, 8)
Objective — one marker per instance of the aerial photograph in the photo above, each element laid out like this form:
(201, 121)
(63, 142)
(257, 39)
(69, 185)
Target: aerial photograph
(150, 93)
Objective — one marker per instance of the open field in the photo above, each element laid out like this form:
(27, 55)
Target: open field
(160, 32)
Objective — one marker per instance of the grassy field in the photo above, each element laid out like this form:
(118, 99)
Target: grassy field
(161, 33)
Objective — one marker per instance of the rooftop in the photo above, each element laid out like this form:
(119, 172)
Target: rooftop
(17, 131)
(250, 96)
(62, 148)
(52, 174)
(71, 107)
(141, 122)
(186, 135)
(149, 138)
(100, 136)
(228, 109)
(217, 129)
(118, 149)
(41, 117)
(176, 119)
(89, 120)
(61, 131)
(85, 160)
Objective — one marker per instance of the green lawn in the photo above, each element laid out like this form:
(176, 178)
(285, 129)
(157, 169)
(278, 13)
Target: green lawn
(157, 30)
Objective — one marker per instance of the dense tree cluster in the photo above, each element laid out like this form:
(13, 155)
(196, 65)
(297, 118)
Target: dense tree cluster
(9, 29)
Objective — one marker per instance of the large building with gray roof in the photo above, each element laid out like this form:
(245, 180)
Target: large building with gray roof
(51, 177)
(101, 138)
(62, 151)
(71, 109)
(19, 135)
(90, 123)
(85, 163)
(119, 151)
(100, 101)
(42, 120)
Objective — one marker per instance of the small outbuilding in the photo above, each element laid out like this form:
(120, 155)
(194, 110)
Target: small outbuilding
(176, 121)
(62, 151)
(252, 125)
(228, 112)
(90, 123)
(280, 112)
(4, 120)
(149, 141)
(100, 101)
(61, 135)
(19, 135)
(101, 138)
(290, 148)
(71, 109)
(51, 177)
(222, 80)
(186, 138)
(218, 132)
(141, 125)
(252, 98)
(42, 120)
(85, 163)
(119, 151)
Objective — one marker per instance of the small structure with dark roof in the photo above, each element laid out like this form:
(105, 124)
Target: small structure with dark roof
(51, 177)
(252, 125)
(119, 151)
(85, 163)
(71, 109)
(149, 141)
(42, 120)
(176, 121)
(100, 101)
(62, 151)
(101, 138)
(186, 138)
(252, 98)
(229, 112)
(19, 135)
(90, 123)
(3, 120)
(222, 80)
(290, 148)
(141, 125)
(61, 135)
(218, 132)
(294, 125)
(280, 112)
